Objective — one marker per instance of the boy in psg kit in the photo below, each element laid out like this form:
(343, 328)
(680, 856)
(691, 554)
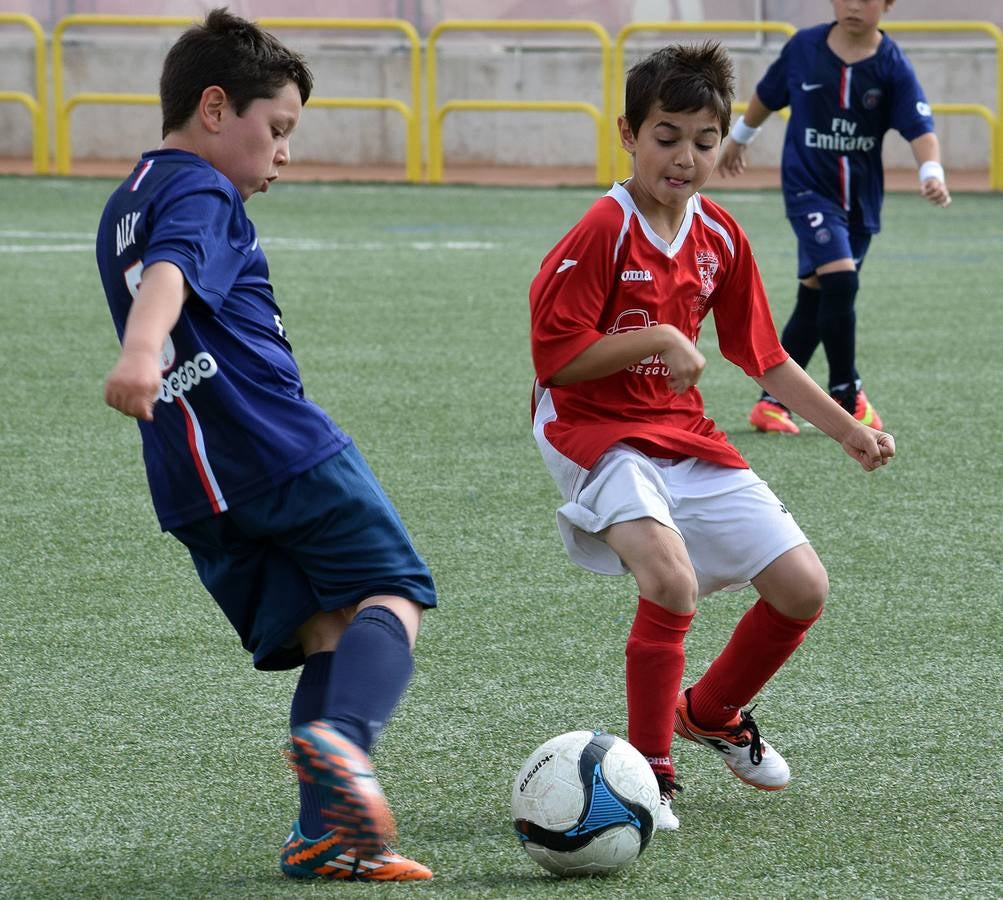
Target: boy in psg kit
(650, 485)
(847, 84)
(287, 527)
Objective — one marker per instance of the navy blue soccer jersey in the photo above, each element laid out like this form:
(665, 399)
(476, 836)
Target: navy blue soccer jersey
(232, 420)
(840, 114)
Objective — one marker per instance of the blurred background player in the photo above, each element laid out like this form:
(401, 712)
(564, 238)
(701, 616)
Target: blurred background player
(847, 83)
(287, 527)
(651, 486)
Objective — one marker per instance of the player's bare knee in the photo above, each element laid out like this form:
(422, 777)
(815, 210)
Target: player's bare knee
(408, 611)
(671, 587)
(804, 599)
(323, 630)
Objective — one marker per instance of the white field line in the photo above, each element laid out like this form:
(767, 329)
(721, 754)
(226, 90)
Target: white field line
(308, 245)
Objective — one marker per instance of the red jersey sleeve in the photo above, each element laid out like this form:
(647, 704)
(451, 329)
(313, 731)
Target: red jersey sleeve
(568, 294)
(746, 333)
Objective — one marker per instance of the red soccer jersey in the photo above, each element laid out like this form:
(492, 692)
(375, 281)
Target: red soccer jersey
(613, 273)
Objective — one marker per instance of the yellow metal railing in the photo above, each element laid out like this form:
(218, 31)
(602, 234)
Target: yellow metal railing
(437, 113)
(36, 105)
(611, 161)
(411, 114)
(622, 161)
(994, 120)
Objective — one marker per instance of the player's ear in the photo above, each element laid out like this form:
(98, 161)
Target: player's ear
(627, 139)
(212, 107)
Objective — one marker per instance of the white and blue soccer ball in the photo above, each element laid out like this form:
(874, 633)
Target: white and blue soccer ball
(585, 803)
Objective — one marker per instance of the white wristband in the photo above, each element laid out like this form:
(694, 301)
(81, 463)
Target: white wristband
(931, 169)
(742, 133)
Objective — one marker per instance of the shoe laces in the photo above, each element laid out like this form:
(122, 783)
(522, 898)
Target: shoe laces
(667, 785)
(748, 724)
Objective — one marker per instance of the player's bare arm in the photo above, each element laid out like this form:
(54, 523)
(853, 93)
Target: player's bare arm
(932, 183)
(133, 384)
(731, 160)
(613, 352)
(789, 383)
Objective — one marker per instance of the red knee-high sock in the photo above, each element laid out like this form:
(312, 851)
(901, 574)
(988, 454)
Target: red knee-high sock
(655, 661)
(762, 642)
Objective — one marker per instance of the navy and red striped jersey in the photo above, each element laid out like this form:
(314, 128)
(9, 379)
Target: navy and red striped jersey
(232, 419)
(840, 114)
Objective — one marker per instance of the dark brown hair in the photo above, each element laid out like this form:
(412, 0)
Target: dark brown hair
(682, 78)
(234, 54)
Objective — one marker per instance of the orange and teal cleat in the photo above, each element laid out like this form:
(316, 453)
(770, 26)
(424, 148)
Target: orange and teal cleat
(353, 806)
(769, 416)
(328, 857)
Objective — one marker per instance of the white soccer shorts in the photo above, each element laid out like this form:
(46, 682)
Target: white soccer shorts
(733, 525)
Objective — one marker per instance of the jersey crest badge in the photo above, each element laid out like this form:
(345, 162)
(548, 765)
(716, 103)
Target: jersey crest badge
(707, 264)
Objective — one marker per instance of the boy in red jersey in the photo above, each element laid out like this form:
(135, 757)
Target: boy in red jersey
(651, 486)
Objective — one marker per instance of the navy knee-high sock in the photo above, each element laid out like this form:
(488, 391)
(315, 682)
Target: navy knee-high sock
(309, 703)
(837, 325)
(356, 689)
(800, 336)
(370, 673)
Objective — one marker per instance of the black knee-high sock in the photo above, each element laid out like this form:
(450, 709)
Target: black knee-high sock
(837, 325)
(800, 335)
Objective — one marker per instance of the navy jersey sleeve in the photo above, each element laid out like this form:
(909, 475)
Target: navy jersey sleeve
(195, 232)
(773, 86)
(910, 113)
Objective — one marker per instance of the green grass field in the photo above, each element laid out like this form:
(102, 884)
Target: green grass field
(142, 752)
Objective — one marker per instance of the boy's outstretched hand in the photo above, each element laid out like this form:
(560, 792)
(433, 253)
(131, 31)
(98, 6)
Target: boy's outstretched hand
(872, 449)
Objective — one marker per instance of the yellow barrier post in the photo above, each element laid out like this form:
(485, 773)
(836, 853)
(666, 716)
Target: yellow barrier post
(437, 113)
(622, 162)
(37, 106)
(995, 120)
(411, 114)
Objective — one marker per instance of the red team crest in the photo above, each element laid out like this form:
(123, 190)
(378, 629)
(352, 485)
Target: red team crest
(707, 264)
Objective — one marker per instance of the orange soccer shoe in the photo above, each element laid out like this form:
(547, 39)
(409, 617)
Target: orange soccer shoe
(328, 857)
(772, 417)
(739, 745)
(864, 412)
(855, 402)
(353, 806)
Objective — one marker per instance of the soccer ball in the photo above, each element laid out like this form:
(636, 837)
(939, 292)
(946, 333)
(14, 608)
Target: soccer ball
(585, 803)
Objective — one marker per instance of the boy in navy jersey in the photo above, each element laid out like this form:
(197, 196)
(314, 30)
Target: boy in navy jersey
(650, 485)
(847, 84)
(287, 527)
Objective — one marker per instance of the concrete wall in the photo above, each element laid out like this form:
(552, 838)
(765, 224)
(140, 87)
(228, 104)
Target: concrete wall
(471, 69)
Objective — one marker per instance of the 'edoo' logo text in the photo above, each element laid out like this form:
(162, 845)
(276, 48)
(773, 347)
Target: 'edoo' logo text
(186, 376)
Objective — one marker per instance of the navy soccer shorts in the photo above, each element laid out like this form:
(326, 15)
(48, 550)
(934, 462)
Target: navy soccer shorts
(825, 235)
(325, 540)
